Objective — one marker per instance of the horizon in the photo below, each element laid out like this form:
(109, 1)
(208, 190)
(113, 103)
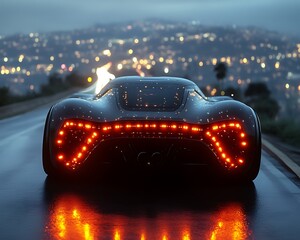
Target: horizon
(40, 16)
(152, 20)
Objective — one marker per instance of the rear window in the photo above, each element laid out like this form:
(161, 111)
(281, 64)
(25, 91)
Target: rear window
(151, 96)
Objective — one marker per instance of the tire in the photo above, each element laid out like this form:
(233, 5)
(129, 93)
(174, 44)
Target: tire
(48, 168)
(252, 173)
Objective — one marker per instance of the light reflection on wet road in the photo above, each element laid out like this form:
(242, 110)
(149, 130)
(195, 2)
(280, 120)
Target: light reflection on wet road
(33, 207)
(148, 213)
(79, 220)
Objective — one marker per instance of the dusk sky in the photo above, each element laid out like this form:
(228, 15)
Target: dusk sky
(25, 16)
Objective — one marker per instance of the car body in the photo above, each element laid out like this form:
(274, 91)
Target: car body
(141, 124)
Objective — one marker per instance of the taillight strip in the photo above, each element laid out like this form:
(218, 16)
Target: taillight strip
(214, 134)
(92, 133)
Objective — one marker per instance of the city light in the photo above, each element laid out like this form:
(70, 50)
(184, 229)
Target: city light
(21, 58)
(120, 66)
(245, 60)
(214, 61)
(107, 52)
(35, 55)
(213, 92)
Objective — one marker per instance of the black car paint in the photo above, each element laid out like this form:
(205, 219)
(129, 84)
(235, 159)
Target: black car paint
(195, 109)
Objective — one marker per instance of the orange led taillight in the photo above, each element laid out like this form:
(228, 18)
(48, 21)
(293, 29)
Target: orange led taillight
(76, 139)
(74, 142)
(228, 141)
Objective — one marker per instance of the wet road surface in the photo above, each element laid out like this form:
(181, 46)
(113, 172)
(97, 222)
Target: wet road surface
(34, 207)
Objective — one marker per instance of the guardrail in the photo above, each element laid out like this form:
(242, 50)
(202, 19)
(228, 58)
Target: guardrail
(25, 106)
(291, 163)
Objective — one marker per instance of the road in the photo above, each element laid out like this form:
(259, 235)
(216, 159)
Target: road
(32, 207)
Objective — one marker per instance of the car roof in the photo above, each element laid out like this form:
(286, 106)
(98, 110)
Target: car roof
(133, 79)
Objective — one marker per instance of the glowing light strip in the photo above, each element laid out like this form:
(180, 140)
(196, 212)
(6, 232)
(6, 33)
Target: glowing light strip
(95, 132)
(216, 143)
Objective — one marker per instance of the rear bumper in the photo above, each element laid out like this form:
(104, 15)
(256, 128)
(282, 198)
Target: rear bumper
(146, 145)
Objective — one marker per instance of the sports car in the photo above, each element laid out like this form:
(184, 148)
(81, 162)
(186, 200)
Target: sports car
(142, 124)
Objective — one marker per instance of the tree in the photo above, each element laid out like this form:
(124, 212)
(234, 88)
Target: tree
(257, 90)
(258, 96)
(55, 84)
(74, 79)
(4, 96)
(221, 71)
